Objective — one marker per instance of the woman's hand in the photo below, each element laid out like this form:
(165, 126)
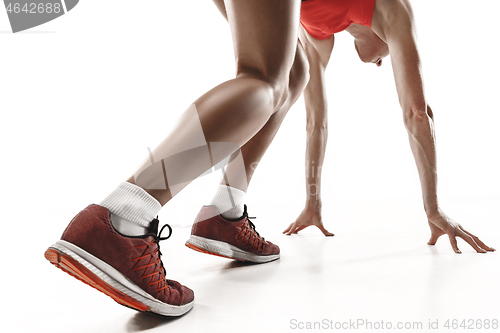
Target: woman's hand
(441, 224)
(308, 217)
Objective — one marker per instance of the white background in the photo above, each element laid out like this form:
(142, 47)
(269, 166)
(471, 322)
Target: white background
(83, 96)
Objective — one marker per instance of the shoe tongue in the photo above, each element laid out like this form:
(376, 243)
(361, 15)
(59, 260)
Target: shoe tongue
(153, 227)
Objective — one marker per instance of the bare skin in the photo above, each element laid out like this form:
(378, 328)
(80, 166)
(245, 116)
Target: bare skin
(253, 151)
(317, 131)
(392, 31)
(265, 43)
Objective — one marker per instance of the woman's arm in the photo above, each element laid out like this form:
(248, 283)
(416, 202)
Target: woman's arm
(393, 22)
(318, 53)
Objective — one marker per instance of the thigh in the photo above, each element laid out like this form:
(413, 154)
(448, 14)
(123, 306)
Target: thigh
(265, 36)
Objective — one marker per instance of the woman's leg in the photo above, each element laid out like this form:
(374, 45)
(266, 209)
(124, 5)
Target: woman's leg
(240, 170)
(244, 161)
(218, 123)
(228, 116)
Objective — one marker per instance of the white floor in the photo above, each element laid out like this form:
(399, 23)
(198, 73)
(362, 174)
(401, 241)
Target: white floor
(376, 268)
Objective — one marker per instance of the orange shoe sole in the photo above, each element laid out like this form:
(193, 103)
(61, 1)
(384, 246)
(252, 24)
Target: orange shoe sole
(82, 273)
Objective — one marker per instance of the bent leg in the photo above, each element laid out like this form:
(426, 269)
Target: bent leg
(264, 36)
(240, 171)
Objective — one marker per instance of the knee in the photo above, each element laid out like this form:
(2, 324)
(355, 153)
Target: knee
(299, 74)
(297, 80)
(285, 84)
(276, 84)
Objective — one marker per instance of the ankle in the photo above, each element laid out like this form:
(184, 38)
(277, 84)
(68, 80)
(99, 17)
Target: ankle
(229, 201)
(132, 209)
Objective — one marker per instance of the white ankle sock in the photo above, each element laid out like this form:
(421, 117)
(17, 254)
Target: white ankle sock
(132, 209)
(229, 201)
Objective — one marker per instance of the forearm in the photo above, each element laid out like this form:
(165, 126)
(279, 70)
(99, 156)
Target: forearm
(420, 127)
(317, 135)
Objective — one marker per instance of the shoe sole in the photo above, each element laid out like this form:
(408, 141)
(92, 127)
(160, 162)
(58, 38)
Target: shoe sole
(107, 280)
(225, 250)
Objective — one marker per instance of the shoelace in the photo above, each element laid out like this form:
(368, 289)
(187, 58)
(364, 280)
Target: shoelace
(156, 240)
(252, 225)
(252, 232)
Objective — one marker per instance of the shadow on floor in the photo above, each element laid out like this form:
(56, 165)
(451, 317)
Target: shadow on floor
(237, 264)
(143, 321)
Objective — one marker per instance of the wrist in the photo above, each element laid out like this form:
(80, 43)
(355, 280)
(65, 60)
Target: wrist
(314, 204)
(431, 206)
(432, 212)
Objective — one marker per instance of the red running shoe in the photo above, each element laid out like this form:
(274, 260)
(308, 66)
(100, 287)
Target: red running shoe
(126, 268)
(234, 239)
